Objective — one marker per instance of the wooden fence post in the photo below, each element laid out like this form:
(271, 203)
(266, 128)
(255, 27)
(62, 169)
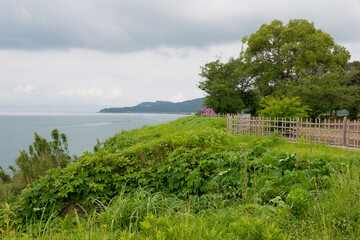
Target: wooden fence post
(344, 131)
(228, 123)
(297, 129)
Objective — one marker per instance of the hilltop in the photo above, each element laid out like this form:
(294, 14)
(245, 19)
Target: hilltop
(190, 106)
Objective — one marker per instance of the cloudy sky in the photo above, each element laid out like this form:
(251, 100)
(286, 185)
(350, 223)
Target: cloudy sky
(103, 53)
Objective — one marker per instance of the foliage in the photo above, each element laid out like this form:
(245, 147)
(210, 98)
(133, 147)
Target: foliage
(283, 108)
(292, 60)
(128, 210)
(222, 224)
(279, 54)
(353, 91)
(298, 200)
(228, 90)
(4, 177)
(42, 156)
(323, 93)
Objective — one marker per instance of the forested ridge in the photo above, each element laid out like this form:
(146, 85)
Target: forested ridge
(190, 106)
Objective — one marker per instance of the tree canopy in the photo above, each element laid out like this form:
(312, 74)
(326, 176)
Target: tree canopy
(292, 60)
(227, 87)
(278, 55)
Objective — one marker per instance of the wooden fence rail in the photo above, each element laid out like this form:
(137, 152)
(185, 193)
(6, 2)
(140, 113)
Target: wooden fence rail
(339, 132)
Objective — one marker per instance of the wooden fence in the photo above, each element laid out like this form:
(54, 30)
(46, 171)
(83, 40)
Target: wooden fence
(221, 115)
(339, 132)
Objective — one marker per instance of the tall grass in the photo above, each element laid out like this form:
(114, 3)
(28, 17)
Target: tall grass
(127, 210)
(305, 149)
(144, 214)
(339, 209)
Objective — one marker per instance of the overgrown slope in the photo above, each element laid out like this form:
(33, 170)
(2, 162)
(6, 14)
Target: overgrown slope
(190, 179)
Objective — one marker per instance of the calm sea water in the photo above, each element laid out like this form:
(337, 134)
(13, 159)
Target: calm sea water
(82, 128)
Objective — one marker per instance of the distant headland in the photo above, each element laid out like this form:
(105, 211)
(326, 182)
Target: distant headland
(187, 107)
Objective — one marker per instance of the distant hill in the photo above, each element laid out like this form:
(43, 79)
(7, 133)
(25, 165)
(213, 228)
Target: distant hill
(190, 106)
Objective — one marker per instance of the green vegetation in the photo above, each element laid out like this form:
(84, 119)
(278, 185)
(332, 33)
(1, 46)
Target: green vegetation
(32, 165)
(282, 108)
(228, 89)
(292, 60)
(190, 179)
(353, 104)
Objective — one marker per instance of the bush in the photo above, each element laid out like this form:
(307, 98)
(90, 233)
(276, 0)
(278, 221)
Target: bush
(283, 108)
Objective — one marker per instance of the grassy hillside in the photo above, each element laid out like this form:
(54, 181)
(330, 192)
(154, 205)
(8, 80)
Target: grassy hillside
(190, 179)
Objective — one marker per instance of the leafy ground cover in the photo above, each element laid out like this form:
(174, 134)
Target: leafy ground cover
(190, 179)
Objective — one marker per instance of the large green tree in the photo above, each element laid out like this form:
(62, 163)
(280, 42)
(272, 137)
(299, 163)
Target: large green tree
(278, 55)
(292, 60)
(228, 89)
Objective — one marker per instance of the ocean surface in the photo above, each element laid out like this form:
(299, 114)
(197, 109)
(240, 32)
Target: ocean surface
(82, 128)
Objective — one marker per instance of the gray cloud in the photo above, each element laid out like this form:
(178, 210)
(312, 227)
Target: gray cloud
(125, 26)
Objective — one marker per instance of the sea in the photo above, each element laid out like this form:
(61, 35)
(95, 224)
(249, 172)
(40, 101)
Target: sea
(82, 128)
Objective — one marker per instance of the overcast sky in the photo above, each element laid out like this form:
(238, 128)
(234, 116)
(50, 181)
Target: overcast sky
(104, 53)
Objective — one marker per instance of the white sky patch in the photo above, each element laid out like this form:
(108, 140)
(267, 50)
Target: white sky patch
(354, 49)
(24, 89)
(67, 93)
(84, 93)
(178, 98)
(115, 93)
(103, 79)
(91, 93)
(5, 95)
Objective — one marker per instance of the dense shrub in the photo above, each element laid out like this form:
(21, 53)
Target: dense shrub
(282, 107)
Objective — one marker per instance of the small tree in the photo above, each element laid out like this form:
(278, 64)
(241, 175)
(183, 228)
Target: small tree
(285, 107)
(42, 156)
